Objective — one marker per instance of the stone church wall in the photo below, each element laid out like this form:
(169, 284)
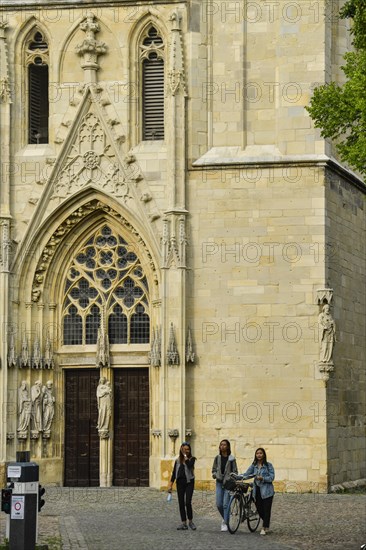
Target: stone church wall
(267, 220)
(258, 259)
(345, 271)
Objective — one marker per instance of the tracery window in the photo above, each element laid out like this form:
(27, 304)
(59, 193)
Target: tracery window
(37, 93)
(106, 275)
(152, 57)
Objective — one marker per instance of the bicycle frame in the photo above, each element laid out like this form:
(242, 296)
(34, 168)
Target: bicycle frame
(242, 507)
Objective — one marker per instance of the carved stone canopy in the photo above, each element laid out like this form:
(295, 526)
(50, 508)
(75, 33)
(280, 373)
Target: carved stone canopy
(173, 434)
(172, 353)
(324, 295)
(155, 354)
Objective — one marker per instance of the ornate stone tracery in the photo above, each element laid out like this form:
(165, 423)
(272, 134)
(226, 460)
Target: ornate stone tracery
(92, 161)
(64, 229)
(36, 51)
(106, 292)
(152, 45)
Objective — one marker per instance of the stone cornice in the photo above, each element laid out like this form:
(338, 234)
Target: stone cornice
(222, 163)
(31, 4)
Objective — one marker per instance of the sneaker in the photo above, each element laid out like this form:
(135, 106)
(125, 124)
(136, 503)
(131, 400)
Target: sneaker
(182, 527)
(223, 526)
(192, 526)
(262, 532)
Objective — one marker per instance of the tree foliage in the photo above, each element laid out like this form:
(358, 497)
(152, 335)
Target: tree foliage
(340, 111)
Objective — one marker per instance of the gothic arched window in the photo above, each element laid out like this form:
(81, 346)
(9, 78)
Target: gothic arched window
(152, 58)
(106, 281)
(37, 90)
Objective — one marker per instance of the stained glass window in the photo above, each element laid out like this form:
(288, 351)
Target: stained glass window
(106, 276)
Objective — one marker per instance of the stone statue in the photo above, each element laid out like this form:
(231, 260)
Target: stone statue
(327, 335)
(104, 400)
(48, 408)
(24, 410)
(36, 411)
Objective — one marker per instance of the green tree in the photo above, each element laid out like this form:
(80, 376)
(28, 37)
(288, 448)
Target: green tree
(340, 111)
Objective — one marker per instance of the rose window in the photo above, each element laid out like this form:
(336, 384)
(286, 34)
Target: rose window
(91, 160)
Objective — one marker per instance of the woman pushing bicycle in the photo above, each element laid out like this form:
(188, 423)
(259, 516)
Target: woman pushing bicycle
(263, 491)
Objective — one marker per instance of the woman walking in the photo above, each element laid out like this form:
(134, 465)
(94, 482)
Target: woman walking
(224, 464)
(183, 474)
(263, 491)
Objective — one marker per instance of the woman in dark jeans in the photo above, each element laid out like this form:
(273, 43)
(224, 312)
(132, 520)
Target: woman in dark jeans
(183, 474)
(263, 491)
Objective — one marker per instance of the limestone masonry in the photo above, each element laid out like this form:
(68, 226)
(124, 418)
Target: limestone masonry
(182, 255)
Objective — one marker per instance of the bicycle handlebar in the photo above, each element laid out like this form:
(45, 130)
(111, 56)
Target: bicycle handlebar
(240, 477)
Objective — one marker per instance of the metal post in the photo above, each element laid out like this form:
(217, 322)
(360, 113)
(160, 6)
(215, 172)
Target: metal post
(24, 503)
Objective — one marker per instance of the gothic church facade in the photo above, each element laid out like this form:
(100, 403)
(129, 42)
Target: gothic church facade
(182, 255)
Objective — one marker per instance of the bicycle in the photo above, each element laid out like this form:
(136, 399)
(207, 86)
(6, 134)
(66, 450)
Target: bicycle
(241, 506)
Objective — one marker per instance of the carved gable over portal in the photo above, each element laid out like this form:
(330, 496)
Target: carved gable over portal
(91, 160)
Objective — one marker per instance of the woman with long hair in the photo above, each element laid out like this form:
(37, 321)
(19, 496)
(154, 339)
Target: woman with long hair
(263, 491)
(183, 474)
(224, 464)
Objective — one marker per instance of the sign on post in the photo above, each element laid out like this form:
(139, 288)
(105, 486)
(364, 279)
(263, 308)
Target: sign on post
(14, 471)
(17, 507)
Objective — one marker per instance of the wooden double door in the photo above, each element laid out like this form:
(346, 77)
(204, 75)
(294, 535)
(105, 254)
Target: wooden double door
(131, 428)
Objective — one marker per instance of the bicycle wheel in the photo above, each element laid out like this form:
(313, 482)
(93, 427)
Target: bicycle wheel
(253, 518)
(235, 506)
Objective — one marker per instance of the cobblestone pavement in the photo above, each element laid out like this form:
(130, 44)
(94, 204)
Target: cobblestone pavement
(129, 518)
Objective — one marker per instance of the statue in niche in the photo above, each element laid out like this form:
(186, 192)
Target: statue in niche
(24, 410)
(36, 410)
(48, 408)
(327, 335)
(104, 400)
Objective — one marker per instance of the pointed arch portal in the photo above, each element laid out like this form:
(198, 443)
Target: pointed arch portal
(105, 282)
(96, 268)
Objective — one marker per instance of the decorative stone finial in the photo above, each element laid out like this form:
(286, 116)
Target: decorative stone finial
(90, 48)
(176, 72)
(190, 355)
(172, 354)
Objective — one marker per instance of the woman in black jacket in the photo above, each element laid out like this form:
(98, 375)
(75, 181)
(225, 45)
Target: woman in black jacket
(183, 474)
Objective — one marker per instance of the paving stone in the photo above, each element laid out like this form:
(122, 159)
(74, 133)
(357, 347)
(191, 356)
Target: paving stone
(128, 518)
